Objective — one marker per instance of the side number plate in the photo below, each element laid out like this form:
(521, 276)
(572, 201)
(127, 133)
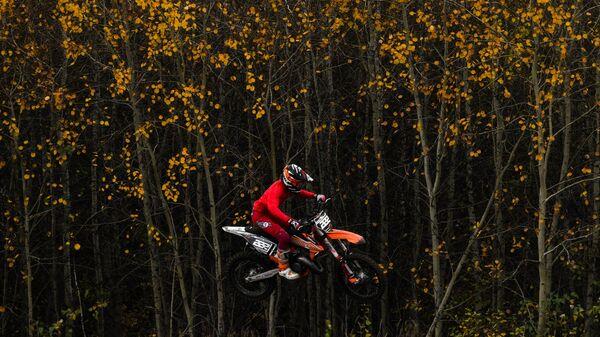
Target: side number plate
(263, 246)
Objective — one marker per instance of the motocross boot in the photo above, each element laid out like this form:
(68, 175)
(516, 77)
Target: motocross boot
(284, 267)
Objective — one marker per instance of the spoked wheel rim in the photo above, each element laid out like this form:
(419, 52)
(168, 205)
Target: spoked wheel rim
(245, 269)
(370, 280)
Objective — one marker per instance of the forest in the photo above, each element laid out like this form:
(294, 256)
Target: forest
(461, 138)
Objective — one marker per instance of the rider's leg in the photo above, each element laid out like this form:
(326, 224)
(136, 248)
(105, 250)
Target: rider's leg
(283, 247)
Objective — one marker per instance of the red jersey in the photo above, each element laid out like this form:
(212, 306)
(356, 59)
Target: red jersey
(268, 204)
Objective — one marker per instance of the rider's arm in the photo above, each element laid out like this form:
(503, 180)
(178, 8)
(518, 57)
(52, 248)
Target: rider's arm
(307, 194)
(278, 214)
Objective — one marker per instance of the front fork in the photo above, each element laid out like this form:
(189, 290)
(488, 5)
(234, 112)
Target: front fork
(322, 236)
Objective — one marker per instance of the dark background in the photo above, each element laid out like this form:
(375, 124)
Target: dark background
(133, 130)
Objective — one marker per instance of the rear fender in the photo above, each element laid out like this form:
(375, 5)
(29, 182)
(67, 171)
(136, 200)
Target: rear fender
(257, 242)
(338, 234)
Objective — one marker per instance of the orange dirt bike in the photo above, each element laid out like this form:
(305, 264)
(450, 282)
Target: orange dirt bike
(253, 271)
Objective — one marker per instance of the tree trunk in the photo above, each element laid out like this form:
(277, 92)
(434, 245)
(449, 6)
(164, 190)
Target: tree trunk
(67, 242)
(377, 105)
(542, 264)
(202, 226)
(55, 258)
(28, 273)
(274, 298)
(331, 296)
(66, 225)
(215, 239)
(432, 177)
(147, 201)
(450, 236)
(175, 242)
(189, 252)
(417, 236)
(147, 205)
(594, 241)
(313, 319)
(98, 268)
(469, 183)
(472, 239)
(498, 197)
(566, 157)
(56, 239)
(28, 276)
(542, 156)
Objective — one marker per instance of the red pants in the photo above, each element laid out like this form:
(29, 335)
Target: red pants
(271, 227)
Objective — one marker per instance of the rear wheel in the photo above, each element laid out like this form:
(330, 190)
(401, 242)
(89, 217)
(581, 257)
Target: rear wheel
(371, 282)
(245, 264)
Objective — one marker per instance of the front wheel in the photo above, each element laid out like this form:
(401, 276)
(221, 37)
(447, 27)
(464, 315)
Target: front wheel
(246, 264)
(369, 281)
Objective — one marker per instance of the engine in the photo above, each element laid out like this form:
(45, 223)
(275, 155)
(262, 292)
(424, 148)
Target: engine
(300, 261)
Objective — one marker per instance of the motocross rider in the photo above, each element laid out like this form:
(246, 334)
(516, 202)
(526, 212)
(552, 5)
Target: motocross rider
(270, 219)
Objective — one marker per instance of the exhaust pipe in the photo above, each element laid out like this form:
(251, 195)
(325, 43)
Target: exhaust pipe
(310, 264)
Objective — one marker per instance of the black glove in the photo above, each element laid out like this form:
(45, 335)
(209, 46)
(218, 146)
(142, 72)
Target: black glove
(306, 226)
(301, 227)
(295, 224)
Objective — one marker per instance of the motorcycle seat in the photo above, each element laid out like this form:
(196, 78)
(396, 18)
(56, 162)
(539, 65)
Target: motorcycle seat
(257, 231)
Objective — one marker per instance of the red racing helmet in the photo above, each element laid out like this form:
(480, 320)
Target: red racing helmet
(294, 177)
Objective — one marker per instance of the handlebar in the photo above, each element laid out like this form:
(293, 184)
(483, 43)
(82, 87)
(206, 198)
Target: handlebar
(320, 205)
(317, 208)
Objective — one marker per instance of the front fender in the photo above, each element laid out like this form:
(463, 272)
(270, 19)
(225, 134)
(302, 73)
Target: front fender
(338, 234)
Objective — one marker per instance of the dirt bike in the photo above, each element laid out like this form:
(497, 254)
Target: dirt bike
(253, 272)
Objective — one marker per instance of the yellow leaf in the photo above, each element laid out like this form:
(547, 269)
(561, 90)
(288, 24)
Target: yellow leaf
(223, 58)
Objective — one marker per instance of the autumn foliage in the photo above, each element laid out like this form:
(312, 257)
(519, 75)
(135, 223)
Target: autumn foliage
(462, 138)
